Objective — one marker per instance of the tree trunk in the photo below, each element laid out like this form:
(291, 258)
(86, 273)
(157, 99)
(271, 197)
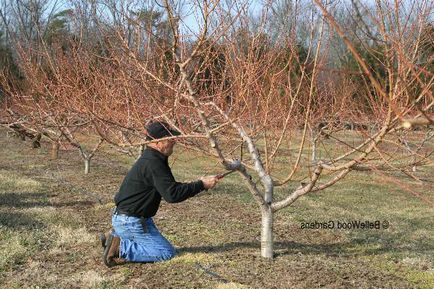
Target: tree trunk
(314, 150)
(36, 141)
(314, 138)
(86, 166)
(267, 233)
(55, 150)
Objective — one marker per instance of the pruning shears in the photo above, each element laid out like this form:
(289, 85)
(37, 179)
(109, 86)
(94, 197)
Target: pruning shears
(221, 176)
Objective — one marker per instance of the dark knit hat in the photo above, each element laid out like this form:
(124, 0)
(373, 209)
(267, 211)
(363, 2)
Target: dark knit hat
(159, 129)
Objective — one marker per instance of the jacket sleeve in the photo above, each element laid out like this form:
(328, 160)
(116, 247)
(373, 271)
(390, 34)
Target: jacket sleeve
(171, 190)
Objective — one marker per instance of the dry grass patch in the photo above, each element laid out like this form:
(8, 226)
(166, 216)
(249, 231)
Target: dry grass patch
(231, 285)
(67, 236)
(91, 279)
(12, 181)
(192, 258)
(12, 250)
(62, 218)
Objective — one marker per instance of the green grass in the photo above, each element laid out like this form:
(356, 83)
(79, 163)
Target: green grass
(421, 276)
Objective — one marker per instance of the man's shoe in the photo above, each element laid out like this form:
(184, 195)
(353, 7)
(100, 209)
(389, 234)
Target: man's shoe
(111, 251)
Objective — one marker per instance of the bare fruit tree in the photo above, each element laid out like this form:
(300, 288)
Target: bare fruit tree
(274, 107)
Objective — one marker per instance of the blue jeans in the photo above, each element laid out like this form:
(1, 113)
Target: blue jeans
(138, 245)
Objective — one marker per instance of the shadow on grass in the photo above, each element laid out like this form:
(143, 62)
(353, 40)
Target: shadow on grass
(30, 200)
(356, 247)
(19, 221)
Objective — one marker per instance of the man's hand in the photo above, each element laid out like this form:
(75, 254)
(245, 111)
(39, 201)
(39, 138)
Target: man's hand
(209, 181)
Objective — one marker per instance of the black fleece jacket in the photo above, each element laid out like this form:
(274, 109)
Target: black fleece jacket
(147, 182)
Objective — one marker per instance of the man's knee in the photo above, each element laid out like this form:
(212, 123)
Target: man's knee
(146, 253)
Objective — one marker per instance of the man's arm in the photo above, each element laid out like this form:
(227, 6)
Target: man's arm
(175, 192)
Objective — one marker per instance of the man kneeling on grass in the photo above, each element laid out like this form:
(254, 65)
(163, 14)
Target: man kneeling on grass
(134, 237)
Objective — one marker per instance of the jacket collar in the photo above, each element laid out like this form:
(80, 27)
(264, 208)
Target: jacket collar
(155, 153)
